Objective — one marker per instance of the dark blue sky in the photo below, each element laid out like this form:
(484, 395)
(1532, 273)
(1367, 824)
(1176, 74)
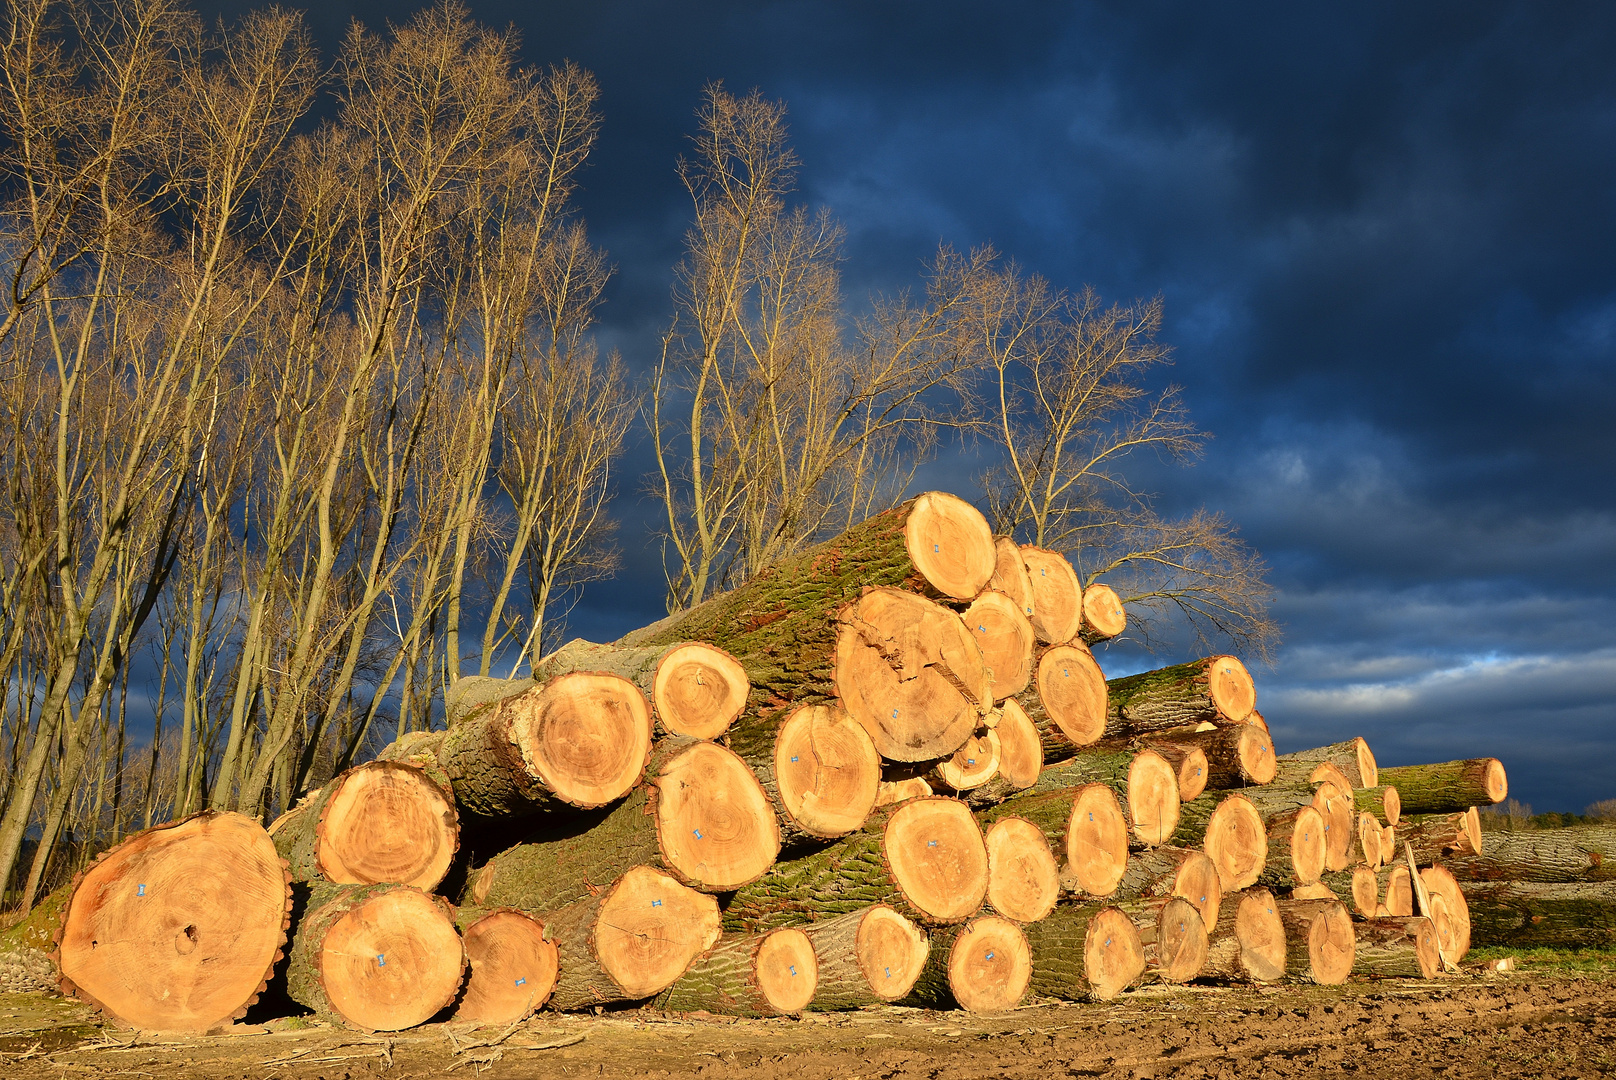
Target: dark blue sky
(1386, 237)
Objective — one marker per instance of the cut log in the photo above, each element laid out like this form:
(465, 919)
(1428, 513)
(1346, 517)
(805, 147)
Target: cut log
(1084, 825)
(578, 742)
(1004, 634)
(1145, 784)
(1454, 938)
(1236, 756)
(1174, 871)
(1437, 837)
(1023, 878)
(1449, 787)
(1021, 757)
(818, 767)
(1381, 801)
(897, 791)
(1392, 948)
(1396, 890)
(630, 941)
(701, 816)
(1229, 829)
(1319, 940)
(1352, 758)
(694, 688)
(1066, 703)
(772, 974)
(178, 927)
(1247, 944)
(418, 748)
(924, 857)
(1214, 690)
(1010, 574)
(513, 967)
(867, 957)
(1388, 845)
(1369, 839)
(1358, 888)
(1530, 914)
(375, 957)
(1057, 595)
(383, 821)
(1103, 616)
(1092, 952)
(1578, 853)
(982, 967)
(1172, 934)
(1255, 719)
(1191, 765)
(1296, 848)
(971, 766)
(1340, 823)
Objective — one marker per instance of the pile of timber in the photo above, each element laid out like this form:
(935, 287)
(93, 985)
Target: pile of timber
(886, 770)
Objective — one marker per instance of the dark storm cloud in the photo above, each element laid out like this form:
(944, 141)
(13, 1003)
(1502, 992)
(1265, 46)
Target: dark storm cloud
(1384, 234)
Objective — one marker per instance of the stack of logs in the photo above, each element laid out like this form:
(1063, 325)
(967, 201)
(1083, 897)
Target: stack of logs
(888, 769)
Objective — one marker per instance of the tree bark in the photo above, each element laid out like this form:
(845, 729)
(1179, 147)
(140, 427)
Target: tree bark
(1352, 758)
(1382, 801)
(982, 967)
(772, 974)
(1449, 787)
(1532, 914)
(1358, 888)
(1578, 853)
(1085, 953)
(1319, 940)
(1391, 948)
(1214, 690)
(1440, 837)
(867, 957)
(1248, 942)
(513, 967)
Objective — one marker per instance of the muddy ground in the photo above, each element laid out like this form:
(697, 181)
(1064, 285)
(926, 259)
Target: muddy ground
(1551, 1018)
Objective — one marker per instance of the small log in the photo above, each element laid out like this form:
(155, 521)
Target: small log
(1453, 932)
(1388, 845)
(695, 689)
(1172, 933)
(1528, 914)
(178, 927)
(1393, 948)
(513, 967)
(1227, 826)
(1369, 839)
(968, 768)
(925, 858)
(818, 767)
(1247, 944)
(1382, 801)
(1010, 574)
(701, 816)
(1448, 787)
(1396, 890)
(1066, 702)
(1103, 615)
(1084, 826)
(630, 941)
(1352, 758)
(1237, 756)
(1005, 635)
(1359, 888)
(1092, 952)
(1146, 786)
(867, 957)
(1340, 823)
(1296, 848)
(1174, 871)
(1255, 719)
(772, 974)
(982, 967)
(576, 743)
(1021, 757)
(1319, 940)
(384, 821)
(1057, 595)
(1023, 878)
(1189, 762)
(375, 957)
(897, 791)
(1577, 853)
(1214, 690)
(1437, 837)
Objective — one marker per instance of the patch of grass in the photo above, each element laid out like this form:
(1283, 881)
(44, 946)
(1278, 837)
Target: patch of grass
(1549, 961)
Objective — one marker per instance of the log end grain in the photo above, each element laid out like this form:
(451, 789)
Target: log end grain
(715, 826)
(1180, 945)
(973, 764)
(699, 690)
(1398, 892)
(1231, 687)
(891, 952)
(1197, 882)
(1153, 800)
(1192, 774)
(1340, 825)
(1254, 750)
(1369, 839)
(1494, 780)
(1368, 773)
(1071, 687)
(786, 970)
(513, 968)
(1236, 842)
(1103, 614)
(1113, 954)
(827, 771)
(1010, 574)
(388, 822)
(1057, 595)
(1331, 944)
(1451, 913)
(937, 858)
(897, 791)
(1261, 935)
(1307, 844)
(586, 735)
(649, 929)
(391, 962)
(1003, 632)
(1021, 754)
(1096, 841)
(1023, 879)
(950, 543)
(989, 965)
(1365, 891)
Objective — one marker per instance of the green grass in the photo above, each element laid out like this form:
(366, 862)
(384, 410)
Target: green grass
(1549, 961)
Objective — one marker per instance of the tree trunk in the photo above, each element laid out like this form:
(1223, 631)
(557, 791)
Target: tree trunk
(982, 967)
(867, 957)
(1396, 890)
(1172, 934)
(1319, 940)
(1389, 948)
(576, 743)
(630, 941)
(1084, 826)
(1449, 787)
(1439, 837)
(1145, 784)
(178, 927)
(1352, 757)
(1087, 953)
(817, 765)
(1005, 635)
(1358, 888)
(772, 974)
(1103, 616)
(1382, 801)
(1340, 822)
(1578, 853)
(1237, 756)
(1214, 690)
(1057, 595)
(924, 857)
(1530, 914)
(1010, 574)
(1450, 913)
(375, 957)
(513, 967)
(1295, 849)
(1066, 702)
(1229, 829)
(1021, 758)
(1187, 873)
(701, 816)
(380, 822)
(1023, 878)
(1248, 942)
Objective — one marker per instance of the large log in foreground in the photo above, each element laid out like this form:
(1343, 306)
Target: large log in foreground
(773, 974)
(817, 765)
(983, 967)
(1319, 940)
(513, 967)
(1525, 914)
(867, 957)
(178, 927)
(1248, 942)
(1448, 787)
(1215, 690)
(1092, 952)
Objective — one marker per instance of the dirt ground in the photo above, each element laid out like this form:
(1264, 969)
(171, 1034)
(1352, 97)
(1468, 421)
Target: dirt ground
(1551, 1018)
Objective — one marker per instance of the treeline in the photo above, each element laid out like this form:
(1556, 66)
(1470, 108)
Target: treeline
(304, 419)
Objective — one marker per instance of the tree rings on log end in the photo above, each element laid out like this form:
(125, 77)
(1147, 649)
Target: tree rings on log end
(1398, 892)
(1153, 803)
(1391, 805)
(1231, 687)
(1365, 891)
(897, 791)
(1494, 780)
(388, 822)
(827, 771)
(1307, 846)
(1331, 944)
(393, 961)
(1071, 687)
(1197, 882)
(1236, 842)
(177, 928)
(1470, 833)
(1454, 938)
(1261, 934)
(650, 928)
(1192, 774)
(715, 826)
(1096, 841)
(934, 849)
(1340, 825)
(1057, 595)
(699, 690)
(1255, 719)
(1368, 772)
(1103, 615)
(1369, 839)
(1010, 574)
(910, 674)
(1254, 749)
(950, 543)
(891, 952)
(585, 735)
(989, 965)
(1180, 941)
(1005, 635)
(1113, 954)
(973, 764)
(1021, 753)
(513, 968)
(787, 971)
(1023, 880)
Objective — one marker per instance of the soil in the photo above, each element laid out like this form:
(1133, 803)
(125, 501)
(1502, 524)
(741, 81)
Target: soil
(1549, 1018)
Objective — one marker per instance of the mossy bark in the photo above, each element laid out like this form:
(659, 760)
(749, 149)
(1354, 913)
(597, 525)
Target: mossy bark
(420, 748)
(1395, 948)
(723, 981)
(1373, 800)
(1161, 700)
(1526, 914)
(1578, 853)
(1059, 961)
(1444, 788)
